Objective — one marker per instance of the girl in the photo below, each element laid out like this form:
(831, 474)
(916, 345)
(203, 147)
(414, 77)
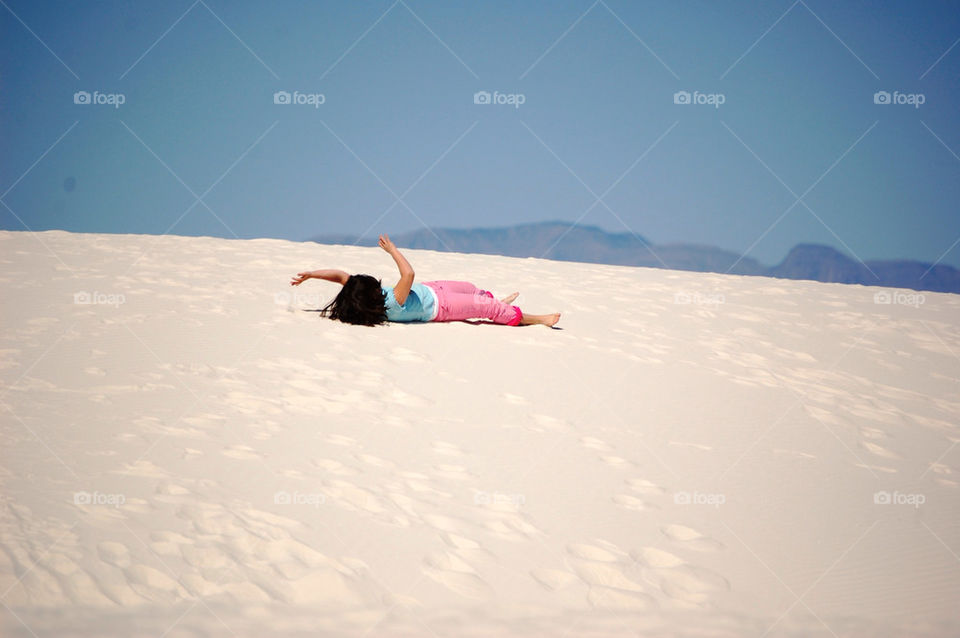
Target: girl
(363, 300)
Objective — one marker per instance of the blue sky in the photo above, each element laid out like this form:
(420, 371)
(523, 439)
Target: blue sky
(798, 151)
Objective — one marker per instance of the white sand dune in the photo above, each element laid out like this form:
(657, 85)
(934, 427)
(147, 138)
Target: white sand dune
(196, 454)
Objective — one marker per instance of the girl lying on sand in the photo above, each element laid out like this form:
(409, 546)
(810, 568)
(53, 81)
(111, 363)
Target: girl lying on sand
(364, 301)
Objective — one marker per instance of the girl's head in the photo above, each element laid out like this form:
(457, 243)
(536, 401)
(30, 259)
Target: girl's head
(361, 301)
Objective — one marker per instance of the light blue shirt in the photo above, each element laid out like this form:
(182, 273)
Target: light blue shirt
(421, 304)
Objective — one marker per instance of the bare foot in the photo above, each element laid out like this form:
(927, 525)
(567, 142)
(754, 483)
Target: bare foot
(547, 320)
(510, 298)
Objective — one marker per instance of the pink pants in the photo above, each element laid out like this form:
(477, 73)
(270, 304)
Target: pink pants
(459, 300)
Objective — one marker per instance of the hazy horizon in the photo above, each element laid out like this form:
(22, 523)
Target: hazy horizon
(816, 123)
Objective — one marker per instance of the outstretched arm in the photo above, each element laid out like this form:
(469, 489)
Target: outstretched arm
(402, 289)
(336, 276)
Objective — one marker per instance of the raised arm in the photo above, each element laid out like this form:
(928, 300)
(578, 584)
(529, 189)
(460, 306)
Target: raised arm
(336, 276)
(402, 289)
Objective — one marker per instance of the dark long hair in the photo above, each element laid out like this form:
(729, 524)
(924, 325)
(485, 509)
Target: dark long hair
(360, 302)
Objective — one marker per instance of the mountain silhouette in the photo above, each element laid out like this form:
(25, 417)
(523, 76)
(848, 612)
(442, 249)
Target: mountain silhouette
(591, 244)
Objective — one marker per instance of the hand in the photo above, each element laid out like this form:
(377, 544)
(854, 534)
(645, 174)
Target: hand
(386, 244)
(300, 278)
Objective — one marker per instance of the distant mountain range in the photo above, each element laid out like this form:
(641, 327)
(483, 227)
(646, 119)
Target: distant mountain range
(556, 240)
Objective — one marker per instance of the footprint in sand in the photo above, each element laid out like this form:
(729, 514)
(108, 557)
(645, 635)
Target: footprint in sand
(167, 492)
(115, 554)
(514, 399)
(512, 527)
(677, 579)
(242, 452)
(942, 475)
(352, 497)
(553, 579)
(690, 538)
(592, 443)
(339, 439)
(206, 556)
(455, 573)
(878, 450)
(448, 449)
(545, 423)
(619, 600)
(600, 566)
(878, 468)
(405, 399)
(696, 446)
(632, 502)
(611, 554)
(616, 461)
(375, 461)
(154, 585)
(420, 483)
(464, 546)
(795, 453)
(452, 472)
(442, 523)
(333, 466)
(643, 486)
(142, 469)
(167, 543)
(656, 558)
(690, 584)
(873, 434)
(402, 501)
